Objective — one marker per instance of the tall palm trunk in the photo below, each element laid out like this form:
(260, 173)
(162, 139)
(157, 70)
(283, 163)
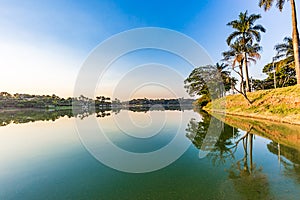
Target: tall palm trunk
(248, 89)
(251, 151)
(242, 88)
(295, 41)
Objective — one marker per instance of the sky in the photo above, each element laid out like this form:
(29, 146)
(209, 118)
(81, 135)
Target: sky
(45, 43)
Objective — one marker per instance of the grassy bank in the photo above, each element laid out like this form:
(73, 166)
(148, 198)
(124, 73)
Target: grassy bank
(282, 105)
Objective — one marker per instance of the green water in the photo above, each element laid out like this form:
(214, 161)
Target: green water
(43, 159)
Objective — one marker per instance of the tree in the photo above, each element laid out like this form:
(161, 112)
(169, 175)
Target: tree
(208, 81)
(267, 4)
(246, 33)
(225, 75)
(284, 68)
(258, 84)
(284, 74)
(235, 56)
(221, 150)
(285, 52)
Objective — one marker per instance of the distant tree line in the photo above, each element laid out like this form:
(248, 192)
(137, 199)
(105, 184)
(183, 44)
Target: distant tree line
(99, 103)
(32, 101)
(164, 102)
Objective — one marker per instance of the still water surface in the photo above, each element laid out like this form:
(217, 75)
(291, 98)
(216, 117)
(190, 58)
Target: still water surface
(47, 160)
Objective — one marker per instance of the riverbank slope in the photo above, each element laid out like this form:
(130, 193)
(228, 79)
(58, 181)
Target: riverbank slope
(281, 105)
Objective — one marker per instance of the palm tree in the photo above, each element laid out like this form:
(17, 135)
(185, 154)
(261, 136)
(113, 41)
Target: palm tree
(236, 56)
(246, 32)
(284, 66)
(267, 4)
(225, 75)
(285, 52)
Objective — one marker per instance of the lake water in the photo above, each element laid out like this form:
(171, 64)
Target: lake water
(49, 155)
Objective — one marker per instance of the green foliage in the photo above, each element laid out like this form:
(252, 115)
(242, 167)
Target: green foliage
(44, 101)
(225, 75)
(31, 115)
(245, 29)
(285, 73)
(222, 149)
(244, 47)
(203, 101)
(285, 47)
(32, 101)
(209, 81)
(267, 4)
(195, 83)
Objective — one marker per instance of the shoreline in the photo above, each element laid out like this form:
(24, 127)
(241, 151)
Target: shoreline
(257, 116)
(280, 132)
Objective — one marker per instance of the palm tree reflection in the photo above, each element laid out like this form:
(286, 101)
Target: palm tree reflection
(225, 146)
(248, 180)
(289, 158)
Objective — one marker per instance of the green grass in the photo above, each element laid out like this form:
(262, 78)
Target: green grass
(282, 104)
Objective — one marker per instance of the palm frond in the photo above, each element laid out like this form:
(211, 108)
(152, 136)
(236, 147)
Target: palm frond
(252, 18)
(232, 36)
(259, 28)
(266, 4)
(280, 4)
(256, 34)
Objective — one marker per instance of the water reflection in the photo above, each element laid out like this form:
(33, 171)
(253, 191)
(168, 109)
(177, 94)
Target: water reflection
(284, 141)
(224, 148)
(248, 179)
(235, 148)
(288, 157)
(49, 161)
(31, 115)
(20, 116)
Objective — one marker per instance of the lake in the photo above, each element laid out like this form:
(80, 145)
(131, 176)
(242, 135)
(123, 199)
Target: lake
(56, 155)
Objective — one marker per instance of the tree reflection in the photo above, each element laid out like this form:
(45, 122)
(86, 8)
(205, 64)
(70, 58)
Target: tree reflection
(287, 157)
(248, 180)
(224, 147)
(31, 115)
(20, 116)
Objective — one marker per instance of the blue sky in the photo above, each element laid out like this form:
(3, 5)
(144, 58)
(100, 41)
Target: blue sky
(44, 43)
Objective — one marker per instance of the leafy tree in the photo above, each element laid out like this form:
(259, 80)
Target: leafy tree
(210, 82)
(222, 150)
(195, 83)
(225, 75)
(245, 33)
(284, 68)
(267, 4)
(258, 84)
(285, 75)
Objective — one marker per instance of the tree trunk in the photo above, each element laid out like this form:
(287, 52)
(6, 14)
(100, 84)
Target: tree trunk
(251, 151)
(242, 88)
(248, 89)
(295, 41)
